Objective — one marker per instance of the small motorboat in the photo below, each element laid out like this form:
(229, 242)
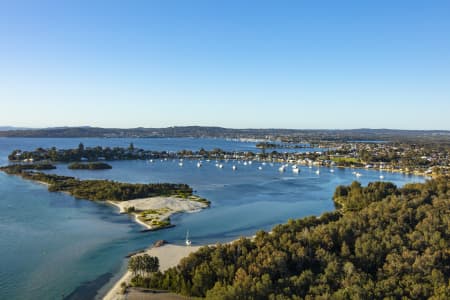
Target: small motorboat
(188, 241)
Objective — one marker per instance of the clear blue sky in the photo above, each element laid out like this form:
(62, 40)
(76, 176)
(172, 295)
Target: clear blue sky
(259, 64)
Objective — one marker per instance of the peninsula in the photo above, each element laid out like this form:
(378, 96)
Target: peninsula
(152, 204)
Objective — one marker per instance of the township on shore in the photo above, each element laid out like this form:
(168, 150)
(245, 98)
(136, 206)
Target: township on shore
(409, 158)
(169, 256)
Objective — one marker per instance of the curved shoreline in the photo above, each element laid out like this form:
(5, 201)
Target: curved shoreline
(154, 212)
(169, 255)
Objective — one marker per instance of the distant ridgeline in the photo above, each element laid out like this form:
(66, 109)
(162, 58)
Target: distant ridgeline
(395, 244)
(291, 135)
(96, 189)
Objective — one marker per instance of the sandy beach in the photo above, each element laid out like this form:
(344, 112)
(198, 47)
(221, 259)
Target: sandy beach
(162, 207)
(173, 203)
(169, 256)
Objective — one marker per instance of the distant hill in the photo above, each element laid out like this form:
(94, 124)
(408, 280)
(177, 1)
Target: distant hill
(220, 132)
(9, 128)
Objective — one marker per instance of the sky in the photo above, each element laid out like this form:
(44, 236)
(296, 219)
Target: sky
(238, 64)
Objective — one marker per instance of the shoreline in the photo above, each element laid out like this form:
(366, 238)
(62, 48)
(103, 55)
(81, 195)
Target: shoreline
(121, 211)
(169, 255)
(154, 212)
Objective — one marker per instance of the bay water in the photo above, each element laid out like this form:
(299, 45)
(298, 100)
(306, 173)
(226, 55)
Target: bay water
(53, 246)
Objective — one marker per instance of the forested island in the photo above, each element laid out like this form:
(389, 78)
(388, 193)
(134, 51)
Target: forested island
(118, 193)
(89, 166)
(385, 243)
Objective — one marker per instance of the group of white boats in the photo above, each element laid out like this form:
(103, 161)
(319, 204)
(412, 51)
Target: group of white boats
(283, 168)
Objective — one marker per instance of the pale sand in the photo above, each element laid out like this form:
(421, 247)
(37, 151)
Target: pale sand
(173, 203)
(169, 206)
(168, 255)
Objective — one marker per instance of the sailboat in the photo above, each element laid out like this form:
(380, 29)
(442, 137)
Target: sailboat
(188, 241)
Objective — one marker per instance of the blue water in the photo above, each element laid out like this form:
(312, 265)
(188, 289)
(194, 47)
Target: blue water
(51, 243)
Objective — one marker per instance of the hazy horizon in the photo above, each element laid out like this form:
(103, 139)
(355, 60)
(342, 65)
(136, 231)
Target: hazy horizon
(252, 64)
(6, 127)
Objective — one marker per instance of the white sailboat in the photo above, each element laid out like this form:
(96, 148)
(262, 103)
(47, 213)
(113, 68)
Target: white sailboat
(188, 241)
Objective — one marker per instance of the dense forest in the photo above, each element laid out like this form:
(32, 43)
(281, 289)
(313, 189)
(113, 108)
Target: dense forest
(385, 243)
(15, 169)
(89, 166)
(98, 189)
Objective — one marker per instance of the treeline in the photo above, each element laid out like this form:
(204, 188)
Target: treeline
(142, 265)
(395, 245)
(80, 153)
(92, 154)
(356, 197)
(89, 166)
(100, 189)
(14, 169)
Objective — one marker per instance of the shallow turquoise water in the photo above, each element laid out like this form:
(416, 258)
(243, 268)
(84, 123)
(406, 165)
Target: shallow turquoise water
(51, 243)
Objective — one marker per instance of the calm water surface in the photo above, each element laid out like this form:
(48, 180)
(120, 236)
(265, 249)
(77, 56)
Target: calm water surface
(52, 244)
